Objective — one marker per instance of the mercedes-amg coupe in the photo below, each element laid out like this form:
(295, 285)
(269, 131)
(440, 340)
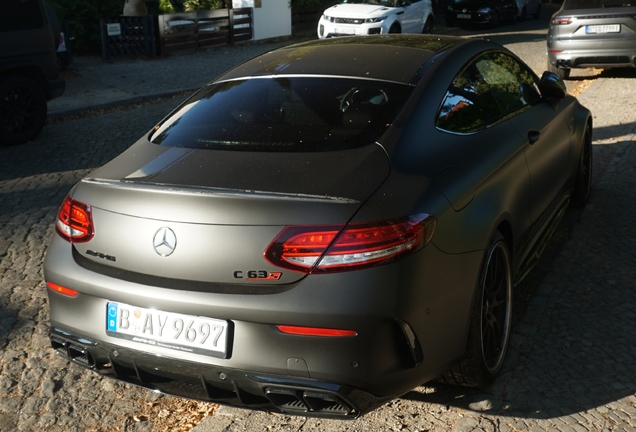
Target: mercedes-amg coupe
(321, 228)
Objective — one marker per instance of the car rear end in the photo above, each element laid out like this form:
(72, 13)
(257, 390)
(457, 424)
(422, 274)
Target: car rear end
(597, 33)
(224, 256)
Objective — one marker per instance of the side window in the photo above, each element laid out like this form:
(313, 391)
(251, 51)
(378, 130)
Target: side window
(511, 82)
(468, 105)
(20, 15)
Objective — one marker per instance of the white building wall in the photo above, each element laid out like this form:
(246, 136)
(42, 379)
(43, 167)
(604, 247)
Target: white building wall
(271, 19)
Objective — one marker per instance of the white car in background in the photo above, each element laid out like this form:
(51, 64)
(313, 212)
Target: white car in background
(367, 17)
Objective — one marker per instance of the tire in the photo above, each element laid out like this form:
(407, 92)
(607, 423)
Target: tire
(22, 110)
(395, 29)
(537, 13)
(561, 73)
(583, 183)
(489, 332)
(514, 18)
(494, 20)
(428, 26)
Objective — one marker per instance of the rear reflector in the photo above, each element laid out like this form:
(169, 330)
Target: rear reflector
(315, 331)
(336, 248)
(74, 221)
(562, 20)
(60, 289)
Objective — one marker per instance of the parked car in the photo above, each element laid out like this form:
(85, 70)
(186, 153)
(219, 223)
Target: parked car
(592, 33)
(29, 74)
(322, 228)
(526, 8)
(481, 12)
(368, 17)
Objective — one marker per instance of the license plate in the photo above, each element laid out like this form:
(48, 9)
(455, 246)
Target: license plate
(465, 16)
(345, 30)
(174, 331)
(609, 28)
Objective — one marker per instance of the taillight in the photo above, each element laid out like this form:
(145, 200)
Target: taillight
(74, 221)
(322, 249)
(562, 20)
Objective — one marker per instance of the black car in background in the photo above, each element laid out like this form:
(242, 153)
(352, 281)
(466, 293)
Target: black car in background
(29, 73)
(481, 12)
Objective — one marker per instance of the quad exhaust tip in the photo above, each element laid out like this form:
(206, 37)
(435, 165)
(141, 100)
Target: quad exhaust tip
(308, 402)
(75, 353)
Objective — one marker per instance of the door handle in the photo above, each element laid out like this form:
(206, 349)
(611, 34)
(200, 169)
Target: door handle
(533, 136)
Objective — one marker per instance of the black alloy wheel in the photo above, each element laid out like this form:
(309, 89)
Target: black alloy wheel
(22, 110)
(496, 308)
(514, 17)
(491, 321)
(583, 183)
(494, 19)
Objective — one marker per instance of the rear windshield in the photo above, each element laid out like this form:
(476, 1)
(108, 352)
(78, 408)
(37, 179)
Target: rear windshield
(596, 4)
(284, 114)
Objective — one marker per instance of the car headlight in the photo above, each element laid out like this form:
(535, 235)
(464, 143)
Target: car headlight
(375, 20)
(484, 10)
(327, 18)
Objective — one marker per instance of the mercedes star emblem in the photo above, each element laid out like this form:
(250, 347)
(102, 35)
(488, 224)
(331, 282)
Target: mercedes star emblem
(165, 241)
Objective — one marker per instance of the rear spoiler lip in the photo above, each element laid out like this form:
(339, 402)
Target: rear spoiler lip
(220, 192)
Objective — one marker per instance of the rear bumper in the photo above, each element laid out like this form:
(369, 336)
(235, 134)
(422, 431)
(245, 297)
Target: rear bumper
(211, 383)
(569, 56)
(411, 318)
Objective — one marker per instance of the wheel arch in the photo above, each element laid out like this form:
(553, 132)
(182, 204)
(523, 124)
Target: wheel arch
(394, 23)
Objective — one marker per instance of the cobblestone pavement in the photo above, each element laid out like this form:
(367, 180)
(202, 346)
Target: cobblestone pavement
(570, 367)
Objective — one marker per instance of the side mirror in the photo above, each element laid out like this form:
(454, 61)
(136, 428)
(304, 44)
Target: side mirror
(551, 86)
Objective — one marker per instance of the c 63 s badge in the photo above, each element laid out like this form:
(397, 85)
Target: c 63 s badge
(251, 275)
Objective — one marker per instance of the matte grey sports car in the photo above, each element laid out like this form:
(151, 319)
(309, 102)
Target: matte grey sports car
(592, 33)
(322, 228)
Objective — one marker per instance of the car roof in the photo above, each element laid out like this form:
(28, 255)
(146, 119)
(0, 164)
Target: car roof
(396, 58)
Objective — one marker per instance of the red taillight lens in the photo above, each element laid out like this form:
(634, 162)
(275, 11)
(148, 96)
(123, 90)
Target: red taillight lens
(74, 221)
(334, 248)
(562, 20)
(315, 331)
(60, 289)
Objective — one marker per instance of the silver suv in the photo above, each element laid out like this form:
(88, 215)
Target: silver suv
(592, 33)
(29, 74)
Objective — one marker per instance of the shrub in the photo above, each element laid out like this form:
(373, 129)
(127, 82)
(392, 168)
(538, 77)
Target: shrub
(166, 7)
(195, 5)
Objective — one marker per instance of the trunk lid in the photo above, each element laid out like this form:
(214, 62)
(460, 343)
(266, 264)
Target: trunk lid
(208, 216)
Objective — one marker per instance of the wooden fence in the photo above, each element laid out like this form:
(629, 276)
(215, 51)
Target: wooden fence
(202, 29)
(166, 34)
